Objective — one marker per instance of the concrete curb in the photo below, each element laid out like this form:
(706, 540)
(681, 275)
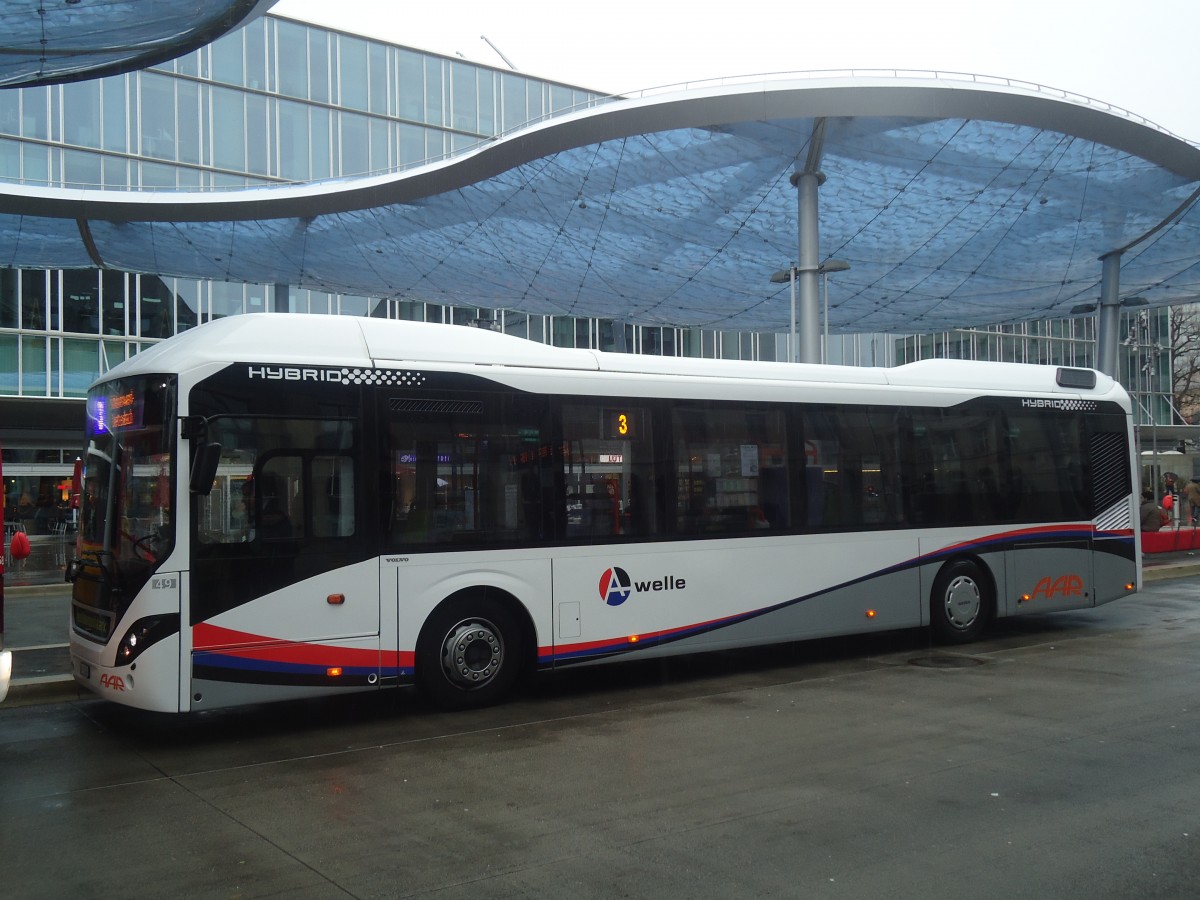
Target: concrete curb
(34, 590)
(40, 691)
(1163, 573)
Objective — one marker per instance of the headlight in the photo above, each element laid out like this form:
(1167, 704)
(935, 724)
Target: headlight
(145, 633)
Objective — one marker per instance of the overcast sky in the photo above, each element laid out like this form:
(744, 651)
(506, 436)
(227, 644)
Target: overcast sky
(1141, 56)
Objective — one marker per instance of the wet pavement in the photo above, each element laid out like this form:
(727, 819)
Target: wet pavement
(1054, 758)
(36, 608)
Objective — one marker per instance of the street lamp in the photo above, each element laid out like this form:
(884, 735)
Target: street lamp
(1143, 369)
(830, 265)
(788, 276)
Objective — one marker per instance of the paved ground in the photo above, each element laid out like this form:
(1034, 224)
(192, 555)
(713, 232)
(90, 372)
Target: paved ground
(1057, 758)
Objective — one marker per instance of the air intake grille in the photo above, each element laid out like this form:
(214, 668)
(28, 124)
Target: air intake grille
(412, 405)
(1110, 469)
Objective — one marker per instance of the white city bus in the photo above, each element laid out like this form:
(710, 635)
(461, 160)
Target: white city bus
(282, 506)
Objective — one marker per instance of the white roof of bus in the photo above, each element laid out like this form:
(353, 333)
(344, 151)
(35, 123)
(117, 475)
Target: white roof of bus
(319, 340)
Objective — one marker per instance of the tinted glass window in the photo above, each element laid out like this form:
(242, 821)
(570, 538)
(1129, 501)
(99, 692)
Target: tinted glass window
(279, 479)
(466, 470)
(991, 464)
(730, 470)
(1048, 477)
(851, 467)
(608, 459)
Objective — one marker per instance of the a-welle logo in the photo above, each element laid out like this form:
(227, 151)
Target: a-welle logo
(616, 586)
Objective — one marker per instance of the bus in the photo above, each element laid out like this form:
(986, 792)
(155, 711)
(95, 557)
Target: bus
(278, 506)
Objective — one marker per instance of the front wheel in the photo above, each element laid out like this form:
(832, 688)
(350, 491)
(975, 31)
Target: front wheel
(469, 654)
(962, 603)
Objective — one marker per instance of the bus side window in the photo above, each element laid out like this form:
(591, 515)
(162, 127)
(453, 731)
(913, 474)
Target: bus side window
(608, 470)
(465, 470)
(332, 489)
(853, 474)
(731, 469)
(279, 479)
(279, 499)
(1048, 453)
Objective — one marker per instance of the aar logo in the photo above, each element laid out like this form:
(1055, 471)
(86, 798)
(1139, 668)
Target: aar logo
(615, 586)
(1062, 586)
(112, 682)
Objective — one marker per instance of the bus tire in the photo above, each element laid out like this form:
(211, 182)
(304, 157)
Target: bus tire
(962, 602)
(469, 653)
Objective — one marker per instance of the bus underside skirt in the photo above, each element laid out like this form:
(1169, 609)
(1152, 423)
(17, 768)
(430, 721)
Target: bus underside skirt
(220, 667)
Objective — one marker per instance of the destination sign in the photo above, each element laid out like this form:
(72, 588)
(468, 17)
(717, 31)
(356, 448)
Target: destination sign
(115, 412)
(621, 424)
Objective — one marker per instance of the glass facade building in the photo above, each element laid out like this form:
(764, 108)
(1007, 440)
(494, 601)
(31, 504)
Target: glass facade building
(282, 101)
(277, 101)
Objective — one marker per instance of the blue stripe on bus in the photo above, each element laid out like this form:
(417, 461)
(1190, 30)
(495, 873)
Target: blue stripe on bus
(249, 664)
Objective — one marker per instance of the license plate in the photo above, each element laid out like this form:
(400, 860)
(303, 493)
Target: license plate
(85, 670)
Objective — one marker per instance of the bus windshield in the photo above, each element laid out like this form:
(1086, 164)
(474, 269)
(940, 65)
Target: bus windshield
(127, 523)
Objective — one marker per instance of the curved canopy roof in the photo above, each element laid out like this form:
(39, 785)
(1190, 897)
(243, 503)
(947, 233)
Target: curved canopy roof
(50, 41)
(955, 203)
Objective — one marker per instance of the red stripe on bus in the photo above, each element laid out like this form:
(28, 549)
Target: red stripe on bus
(213, 638)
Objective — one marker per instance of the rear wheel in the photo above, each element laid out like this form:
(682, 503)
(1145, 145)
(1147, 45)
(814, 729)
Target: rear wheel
(962, 602)
(469, 654)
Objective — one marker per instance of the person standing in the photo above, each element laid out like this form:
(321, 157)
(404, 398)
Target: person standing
(1171, 481)
(1192, 493)
(1151, 512)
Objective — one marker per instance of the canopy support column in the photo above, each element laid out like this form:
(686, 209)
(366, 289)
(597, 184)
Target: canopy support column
(806, 180)
(1108, 318)
(808, 323)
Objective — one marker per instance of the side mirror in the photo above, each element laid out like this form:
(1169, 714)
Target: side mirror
(204, 469)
